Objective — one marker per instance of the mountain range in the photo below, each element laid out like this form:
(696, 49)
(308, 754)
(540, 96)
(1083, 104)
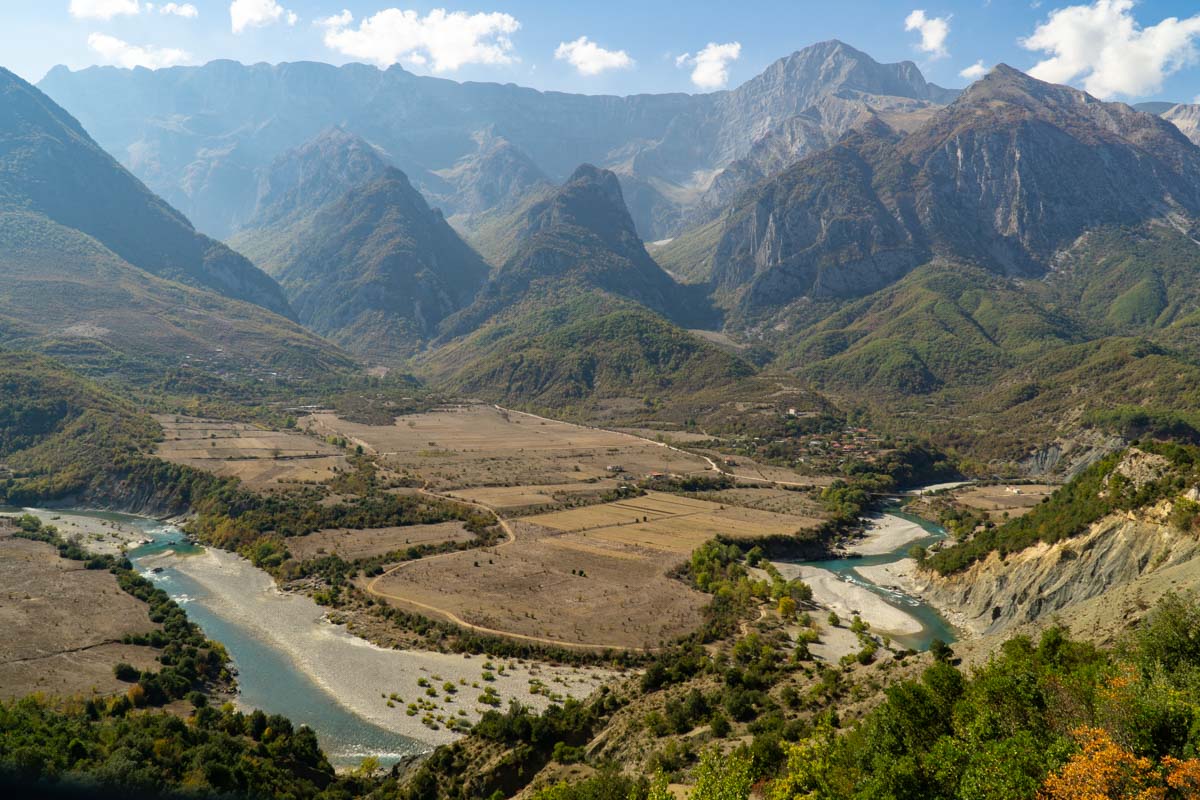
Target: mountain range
(988, 266)
(358, 252)
(100, 270)
(202, 136)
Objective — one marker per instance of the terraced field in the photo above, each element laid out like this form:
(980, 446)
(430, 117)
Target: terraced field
(669, 522)
(595, 576)
(473, 447)
(262, 459)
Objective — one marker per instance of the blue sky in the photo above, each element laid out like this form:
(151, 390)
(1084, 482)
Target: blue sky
(1120, 49)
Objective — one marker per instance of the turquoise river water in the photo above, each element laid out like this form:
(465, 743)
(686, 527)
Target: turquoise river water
(933, 625)
(268, 679)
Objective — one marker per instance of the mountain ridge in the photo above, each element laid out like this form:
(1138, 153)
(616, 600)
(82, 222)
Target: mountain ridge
(230, 120)
(38, 136)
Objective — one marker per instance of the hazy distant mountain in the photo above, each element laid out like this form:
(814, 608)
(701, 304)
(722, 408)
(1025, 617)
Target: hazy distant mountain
(580, 237)
(1004, 177)
(50, 166)
(318, 172)
(1158, 107)
(94, 266)
(579, 312)
(200, 136)
(1186, 117)
(360, 254)
(299, 183)
(497, 176)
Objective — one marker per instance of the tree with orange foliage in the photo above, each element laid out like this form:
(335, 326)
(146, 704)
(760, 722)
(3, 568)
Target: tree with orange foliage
(1103, 770)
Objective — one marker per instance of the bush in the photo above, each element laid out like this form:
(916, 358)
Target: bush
(126, 672)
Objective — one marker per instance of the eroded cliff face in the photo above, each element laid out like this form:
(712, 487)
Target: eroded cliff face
(997, 594)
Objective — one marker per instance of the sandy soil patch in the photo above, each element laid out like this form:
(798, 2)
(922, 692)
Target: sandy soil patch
(848, 599)
(370, 542)
(355, 672)
(262, 459)
(886, 534)
(474, 446)
(61, 625)
(571, 589)
(835, 643)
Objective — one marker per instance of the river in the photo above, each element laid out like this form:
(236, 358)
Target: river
(933, 625)
(291, 662)
(267, 677)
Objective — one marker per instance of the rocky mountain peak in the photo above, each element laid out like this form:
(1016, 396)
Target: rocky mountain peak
(590, 199)
(1186, 117)
(315, 173)
(834, 67)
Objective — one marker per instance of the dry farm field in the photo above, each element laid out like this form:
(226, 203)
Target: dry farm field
(668, 522)
(262, 459)
(595, 576)
(1013, 500)
(481, 446)
(512, 499)
(63, 624)
(351, 545)
(579, 572)
(553, 590)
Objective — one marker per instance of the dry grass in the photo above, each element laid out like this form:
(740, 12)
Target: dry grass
(480, 446)
(996, 500)
(669, 523)
(507, 499)
(355, 544)
(559, 588)
(62, 624)
(262, 459)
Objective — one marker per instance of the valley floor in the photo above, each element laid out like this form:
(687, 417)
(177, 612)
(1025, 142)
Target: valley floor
(361, 675)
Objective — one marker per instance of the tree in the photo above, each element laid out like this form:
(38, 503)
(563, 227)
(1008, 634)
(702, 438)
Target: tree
(722, 777)
(787, 607)
(126, 672)
(1102, 770)
(809, 763)
(658, 788)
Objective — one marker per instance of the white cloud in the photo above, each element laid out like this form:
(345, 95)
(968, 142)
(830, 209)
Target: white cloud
(934, 32)
(245, 14)
(102, 9)
(186, 10)
(975, 71)
(341, 20)
(1103, 46)
(445, 40)
(590, 58)
(710, 66)
(122, 54)
(180, 10)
